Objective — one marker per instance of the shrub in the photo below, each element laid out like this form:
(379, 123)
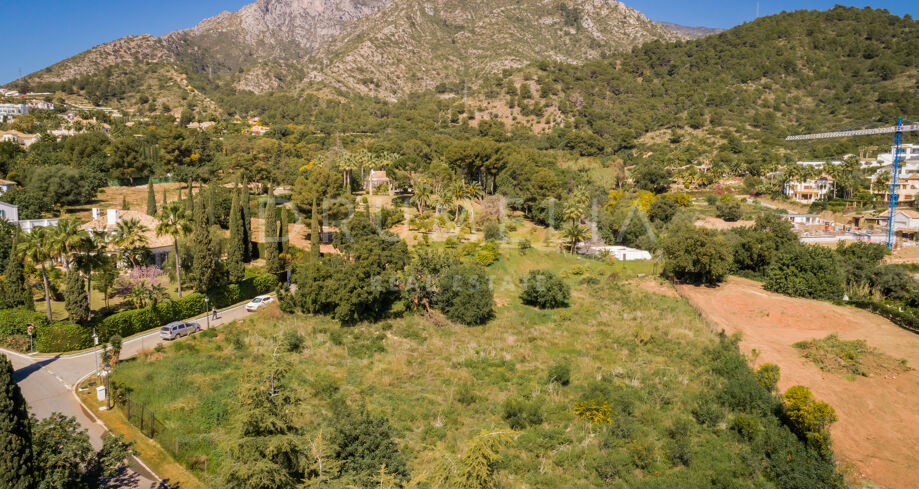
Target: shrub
(520, 413)
(729, 210)
(524, 245)
(809, 418)
(559, 373)
(264, 284)
(465, 394)
(364, 442)
(465, 295)
(768, 376)
(487, 254)
(545, 290)
(292, 341)
(746, 426)
(493, 232)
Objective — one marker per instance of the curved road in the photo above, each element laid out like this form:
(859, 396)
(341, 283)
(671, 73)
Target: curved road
(47, 383)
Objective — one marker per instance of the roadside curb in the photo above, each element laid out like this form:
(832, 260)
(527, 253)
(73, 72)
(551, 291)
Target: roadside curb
(98, 421)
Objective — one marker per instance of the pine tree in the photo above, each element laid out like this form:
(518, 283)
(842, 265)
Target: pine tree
(204, 267)
(15, 433)
(75, 299)
(267, 451)
(247, 223)
(151, 199)
(272, 263)
(15, 292)
(236, 248)
(211, 202)
(283, 237)
(314, 231)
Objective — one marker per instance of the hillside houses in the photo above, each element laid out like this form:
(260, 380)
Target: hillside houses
(107, 222)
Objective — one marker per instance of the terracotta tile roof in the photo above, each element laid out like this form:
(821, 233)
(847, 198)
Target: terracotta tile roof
(153, 241)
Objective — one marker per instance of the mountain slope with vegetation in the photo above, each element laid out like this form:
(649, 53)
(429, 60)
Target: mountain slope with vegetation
(381, 47)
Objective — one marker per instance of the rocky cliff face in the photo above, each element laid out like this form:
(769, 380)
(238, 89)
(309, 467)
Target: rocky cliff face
(411, 44)
(383, 47)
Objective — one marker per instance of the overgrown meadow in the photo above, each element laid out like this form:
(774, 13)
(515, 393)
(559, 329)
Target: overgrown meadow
(624, 388)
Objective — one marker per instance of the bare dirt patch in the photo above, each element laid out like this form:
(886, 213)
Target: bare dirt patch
(878, 427)
(720, 224)
(655, 286)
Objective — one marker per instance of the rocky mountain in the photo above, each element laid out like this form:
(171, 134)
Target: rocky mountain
(691, 32)
(380, 47)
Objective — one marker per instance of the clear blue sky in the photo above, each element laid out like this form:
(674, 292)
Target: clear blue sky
(38, 33)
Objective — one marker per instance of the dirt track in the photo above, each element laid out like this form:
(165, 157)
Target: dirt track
(878, 428)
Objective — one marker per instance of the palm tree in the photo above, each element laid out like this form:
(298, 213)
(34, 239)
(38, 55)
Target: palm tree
(421, 195)
(67, 239)
(575, 232)
(130, 236)
(91, 257)
(38, 247)
(174, 221)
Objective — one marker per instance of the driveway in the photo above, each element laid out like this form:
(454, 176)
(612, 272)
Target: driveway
(47, 384)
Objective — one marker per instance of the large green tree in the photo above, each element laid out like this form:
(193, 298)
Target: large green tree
(16, 292)
(204, 265)
(16, 460)
(236, 248)
(151, 199)
(267, 451)
(695, 255)
(272, 261)
(75, 299)
(464, 295)
(806, 271)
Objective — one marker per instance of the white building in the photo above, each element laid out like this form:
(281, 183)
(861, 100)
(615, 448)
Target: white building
(804, 220)
(621, 253)
(20, 138)
(13, 110)
(10, 212)
(40, 105)
(6, 185)
(809, 191)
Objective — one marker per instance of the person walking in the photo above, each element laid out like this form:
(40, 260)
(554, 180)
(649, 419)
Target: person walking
(214, 314)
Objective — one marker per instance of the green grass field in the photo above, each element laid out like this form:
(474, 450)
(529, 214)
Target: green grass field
(649, 354)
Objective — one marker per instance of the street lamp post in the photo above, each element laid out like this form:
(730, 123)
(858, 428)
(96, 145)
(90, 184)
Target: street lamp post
(95, 344)
(30, 329)
(207, 311)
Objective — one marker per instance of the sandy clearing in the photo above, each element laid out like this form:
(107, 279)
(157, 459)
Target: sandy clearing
(878, 427)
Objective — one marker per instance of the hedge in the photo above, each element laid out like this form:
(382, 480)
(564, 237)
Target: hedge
(904, 319)
(61, 337)
(15, 321)
(135, 321)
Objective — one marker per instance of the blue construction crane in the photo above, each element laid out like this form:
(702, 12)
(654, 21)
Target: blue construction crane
(899, 129)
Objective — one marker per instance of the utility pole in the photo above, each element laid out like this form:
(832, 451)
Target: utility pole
(95, 347)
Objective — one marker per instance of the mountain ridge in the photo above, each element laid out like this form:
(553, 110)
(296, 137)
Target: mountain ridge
(377, 47)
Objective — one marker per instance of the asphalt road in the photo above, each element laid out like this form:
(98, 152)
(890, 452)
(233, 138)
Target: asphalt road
(47, 384)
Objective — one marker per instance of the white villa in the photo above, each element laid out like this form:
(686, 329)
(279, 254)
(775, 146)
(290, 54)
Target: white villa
(159, 246)
(10, 212)
(809, 191)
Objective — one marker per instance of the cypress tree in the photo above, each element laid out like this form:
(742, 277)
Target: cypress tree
(314, 231)
(15, 433)
(190, 203)
(179, 198)
(204, 267)
(250, 251)
(124, 202)
(272, 263)
(283, 238)
(75, 299)
(164, 196)
(211, 202)
(236, 249)
(15, 292)
(151, 199)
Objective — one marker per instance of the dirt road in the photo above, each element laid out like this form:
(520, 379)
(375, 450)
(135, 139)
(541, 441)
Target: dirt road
(878, 428)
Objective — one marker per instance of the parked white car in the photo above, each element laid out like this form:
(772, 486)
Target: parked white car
(259, 302)
(178, 329)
